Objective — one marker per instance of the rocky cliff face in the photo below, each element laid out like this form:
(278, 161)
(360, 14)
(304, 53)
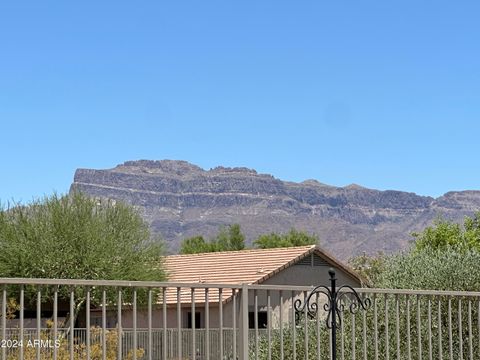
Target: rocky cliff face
(180, 199)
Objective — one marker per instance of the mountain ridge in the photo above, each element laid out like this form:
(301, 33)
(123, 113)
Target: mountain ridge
(180, 199)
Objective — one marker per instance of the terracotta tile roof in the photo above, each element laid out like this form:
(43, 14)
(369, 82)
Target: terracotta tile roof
(251, 266)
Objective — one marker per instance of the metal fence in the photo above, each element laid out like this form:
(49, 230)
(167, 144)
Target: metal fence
(158, 320)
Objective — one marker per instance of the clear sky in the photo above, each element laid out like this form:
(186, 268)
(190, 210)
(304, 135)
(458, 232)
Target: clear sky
(385, 94)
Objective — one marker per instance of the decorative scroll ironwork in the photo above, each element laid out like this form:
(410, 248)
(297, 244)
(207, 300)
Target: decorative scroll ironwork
(334, 306)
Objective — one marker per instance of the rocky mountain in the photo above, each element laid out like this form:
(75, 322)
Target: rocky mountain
(180, 199)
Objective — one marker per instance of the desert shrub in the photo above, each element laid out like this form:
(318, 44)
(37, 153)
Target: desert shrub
(433, 269)
(80, 350)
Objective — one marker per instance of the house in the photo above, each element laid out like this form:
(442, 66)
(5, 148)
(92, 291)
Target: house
(298, 266)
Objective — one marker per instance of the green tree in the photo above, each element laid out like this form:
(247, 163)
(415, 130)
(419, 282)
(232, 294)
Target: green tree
(229, 238)
(442, 234)
(443, 257)
(291, 238)
(77, 237)
(195, 245)
(369, 267)
(445, 234)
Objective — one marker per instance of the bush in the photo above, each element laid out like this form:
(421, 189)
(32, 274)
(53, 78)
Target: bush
(433, 269)
(80, 350)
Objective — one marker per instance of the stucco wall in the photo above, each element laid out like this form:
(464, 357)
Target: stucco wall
(307, 275)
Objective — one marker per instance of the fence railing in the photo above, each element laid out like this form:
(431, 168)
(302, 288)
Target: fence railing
(162, 320)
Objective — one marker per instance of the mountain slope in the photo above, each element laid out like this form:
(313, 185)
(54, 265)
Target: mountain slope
(180, 199)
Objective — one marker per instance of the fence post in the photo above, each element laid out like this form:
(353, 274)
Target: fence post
(243, 324)
(333, 310)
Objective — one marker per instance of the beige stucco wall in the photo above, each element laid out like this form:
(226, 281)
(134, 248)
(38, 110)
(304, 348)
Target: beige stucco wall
(306, 275)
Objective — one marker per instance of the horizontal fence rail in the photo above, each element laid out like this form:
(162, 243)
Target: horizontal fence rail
(80, 319)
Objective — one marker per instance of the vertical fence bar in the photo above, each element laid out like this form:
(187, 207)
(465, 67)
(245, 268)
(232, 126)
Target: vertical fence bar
(220, 320)
(317, 316)
(281, 324)
(39, 320)
(179, 323)
(72, 322)
(55, 320)
(409, 342)
(470, 333)
(306, 322)
(149, 324)
(269, 326)
(397, 324)
(478, 327)
(87, 314)
(234, 312)
(192, 321)
(342, 334)
(354, 338)
(207, 326)
(440, 346)
(134, 320)
(330, 341)
(430, 328)
(387, 337)
(450, 335)
(243, 323)
(22, 309)
(164, 321)
(364, 321)
(104, 324)
(375, 325)
(419, 329)
(334, 307)
(255, 320)
(4, 321)
(119, 324)
(460, 330)
(294, 334)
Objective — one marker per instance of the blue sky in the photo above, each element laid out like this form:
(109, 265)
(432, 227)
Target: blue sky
(385, 94)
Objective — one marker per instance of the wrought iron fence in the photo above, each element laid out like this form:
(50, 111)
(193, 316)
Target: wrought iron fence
(201, 321)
